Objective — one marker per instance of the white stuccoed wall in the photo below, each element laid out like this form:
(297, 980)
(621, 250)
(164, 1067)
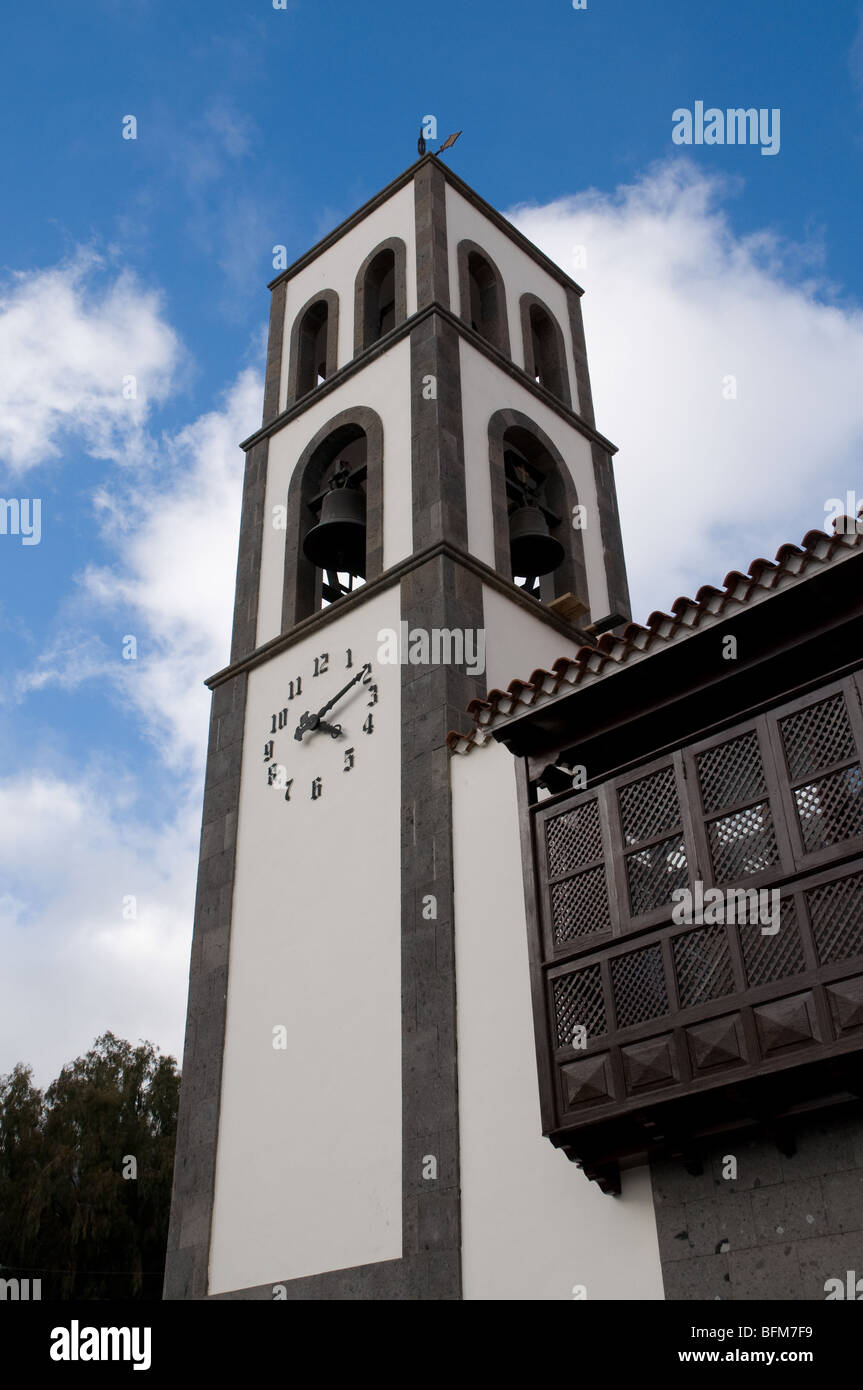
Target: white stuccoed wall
(533, 1226)
(308, 1171)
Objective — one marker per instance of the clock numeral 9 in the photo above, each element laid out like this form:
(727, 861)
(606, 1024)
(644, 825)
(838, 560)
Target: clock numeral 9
(268, 751)
(321, 664)
(369, 726)
(349, 760)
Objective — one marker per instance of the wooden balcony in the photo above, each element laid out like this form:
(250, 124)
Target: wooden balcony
(654, 1033)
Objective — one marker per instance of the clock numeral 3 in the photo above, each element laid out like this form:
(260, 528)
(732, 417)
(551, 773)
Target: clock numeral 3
(373, 691)
(349, 760)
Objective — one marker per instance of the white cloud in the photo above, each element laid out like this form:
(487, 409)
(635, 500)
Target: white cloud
(67, 340)
(173, 582)
(73, 846)
(674, 303)
(72, 849)
(70, 853)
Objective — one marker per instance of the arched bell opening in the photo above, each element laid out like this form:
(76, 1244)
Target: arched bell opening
(334, 538)
(380, 297)
(533, 502)
(483, 297)
(379, 294)
(544, 350)
(535, 550)
(313, 346)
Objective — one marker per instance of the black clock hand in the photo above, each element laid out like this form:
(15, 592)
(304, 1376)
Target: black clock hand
(306, 721)
(322, 711)
(313, 721)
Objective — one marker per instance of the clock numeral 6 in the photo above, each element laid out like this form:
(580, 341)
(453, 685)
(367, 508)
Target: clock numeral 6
(349, 760)
(317, 789)
(369, 726)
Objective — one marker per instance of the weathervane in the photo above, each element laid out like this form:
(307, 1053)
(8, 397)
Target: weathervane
(450, 140)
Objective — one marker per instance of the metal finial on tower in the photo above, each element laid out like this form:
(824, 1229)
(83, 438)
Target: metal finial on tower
(421, 144)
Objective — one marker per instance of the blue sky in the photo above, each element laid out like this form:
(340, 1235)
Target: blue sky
(259, 127)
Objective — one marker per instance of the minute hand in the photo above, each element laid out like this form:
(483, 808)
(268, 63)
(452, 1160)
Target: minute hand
(328, 706)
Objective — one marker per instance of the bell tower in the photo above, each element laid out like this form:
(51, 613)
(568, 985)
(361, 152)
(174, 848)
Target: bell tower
(428, 509)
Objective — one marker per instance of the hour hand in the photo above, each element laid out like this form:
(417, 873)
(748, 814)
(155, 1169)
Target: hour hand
(334, 730)
(306, 721)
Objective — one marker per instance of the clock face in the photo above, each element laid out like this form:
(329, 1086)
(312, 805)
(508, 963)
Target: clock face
(322, 730)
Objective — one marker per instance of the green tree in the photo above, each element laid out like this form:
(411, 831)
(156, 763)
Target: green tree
(68, 1215)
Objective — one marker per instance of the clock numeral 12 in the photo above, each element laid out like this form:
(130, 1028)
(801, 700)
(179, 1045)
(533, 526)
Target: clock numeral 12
(321, 664)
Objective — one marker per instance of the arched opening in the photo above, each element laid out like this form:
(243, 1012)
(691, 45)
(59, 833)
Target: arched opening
(314, 344)
(335, 523)
(483, 300)
(484, 306)
(380, 297)
(380, 302)
(534, 504)
(312, 348)
(333, 536)
(547, 365)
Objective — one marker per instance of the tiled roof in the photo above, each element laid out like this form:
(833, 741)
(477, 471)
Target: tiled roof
(709, 607)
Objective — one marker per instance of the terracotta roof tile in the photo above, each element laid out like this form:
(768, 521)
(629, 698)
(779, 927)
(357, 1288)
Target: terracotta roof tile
(590, 663)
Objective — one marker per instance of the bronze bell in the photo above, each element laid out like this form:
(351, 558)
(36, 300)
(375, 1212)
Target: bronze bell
(338, 542)
(533, 549)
